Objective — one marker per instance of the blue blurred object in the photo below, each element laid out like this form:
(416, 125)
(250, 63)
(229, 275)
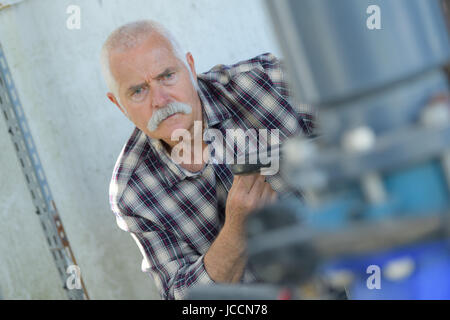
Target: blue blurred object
(384, 121)
(426, 264)
(412, 192)
(376, 215)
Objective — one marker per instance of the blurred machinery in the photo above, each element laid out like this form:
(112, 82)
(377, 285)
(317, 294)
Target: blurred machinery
(375, 223)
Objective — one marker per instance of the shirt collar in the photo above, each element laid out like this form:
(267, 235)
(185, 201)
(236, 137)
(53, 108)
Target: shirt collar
(178, 173)
(215, 111)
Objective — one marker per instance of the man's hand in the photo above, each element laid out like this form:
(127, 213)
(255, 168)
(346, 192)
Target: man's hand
(246, 194)
(226, 258)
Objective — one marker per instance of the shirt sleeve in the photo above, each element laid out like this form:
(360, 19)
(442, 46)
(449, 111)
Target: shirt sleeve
(275, 70)
(173, 265)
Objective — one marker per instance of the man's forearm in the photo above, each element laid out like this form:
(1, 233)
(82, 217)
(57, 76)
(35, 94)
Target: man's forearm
(226, 258)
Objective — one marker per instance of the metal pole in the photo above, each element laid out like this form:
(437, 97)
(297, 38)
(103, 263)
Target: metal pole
(36, 181)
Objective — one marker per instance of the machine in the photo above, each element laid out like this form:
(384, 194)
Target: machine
(375, 220)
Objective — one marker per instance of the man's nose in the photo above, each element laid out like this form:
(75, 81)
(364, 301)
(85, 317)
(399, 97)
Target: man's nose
(160, 97)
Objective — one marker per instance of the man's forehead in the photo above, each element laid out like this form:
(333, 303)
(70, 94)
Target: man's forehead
(148, 59)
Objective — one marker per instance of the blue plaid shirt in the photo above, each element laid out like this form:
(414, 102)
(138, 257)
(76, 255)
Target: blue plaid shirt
(174, 216)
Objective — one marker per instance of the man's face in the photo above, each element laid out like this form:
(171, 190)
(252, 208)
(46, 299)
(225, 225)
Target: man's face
(149, 77)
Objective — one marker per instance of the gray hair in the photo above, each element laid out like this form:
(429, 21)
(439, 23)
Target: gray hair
(129, 36)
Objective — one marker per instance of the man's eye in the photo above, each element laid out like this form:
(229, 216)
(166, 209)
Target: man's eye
(169, 78)
(138, 91)
(139, 94)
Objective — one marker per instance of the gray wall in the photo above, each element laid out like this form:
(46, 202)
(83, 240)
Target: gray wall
(79, 134)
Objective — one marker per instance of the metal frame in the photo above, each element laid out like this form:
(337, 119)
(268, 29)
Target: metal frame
(35, 177)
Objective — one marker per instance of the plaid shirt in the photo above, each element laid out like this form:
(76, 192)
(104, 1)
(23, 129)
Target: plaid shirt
(175, 216)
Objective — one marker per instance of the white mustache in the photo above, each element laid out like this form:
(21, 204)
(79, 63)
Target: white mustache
(161, 114)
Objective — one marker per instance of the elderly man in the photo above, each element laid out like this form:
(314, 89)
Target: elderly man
(188, 218)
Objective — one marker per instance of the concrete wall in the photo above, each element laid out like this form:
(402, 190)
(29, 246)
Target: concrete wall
(79, 134)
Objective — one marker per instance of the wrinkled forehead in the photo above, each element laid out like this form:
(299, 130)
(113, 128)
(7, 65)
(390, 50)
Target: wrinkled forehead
(144, 61)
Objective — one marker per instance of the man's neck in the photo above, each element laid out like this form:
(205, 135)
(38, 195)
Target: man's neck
(196, 146)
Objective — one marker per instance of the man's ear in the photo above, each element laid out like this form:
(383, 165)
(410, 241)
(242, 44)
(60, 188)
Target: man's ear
(113, 99)
(191, 62)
